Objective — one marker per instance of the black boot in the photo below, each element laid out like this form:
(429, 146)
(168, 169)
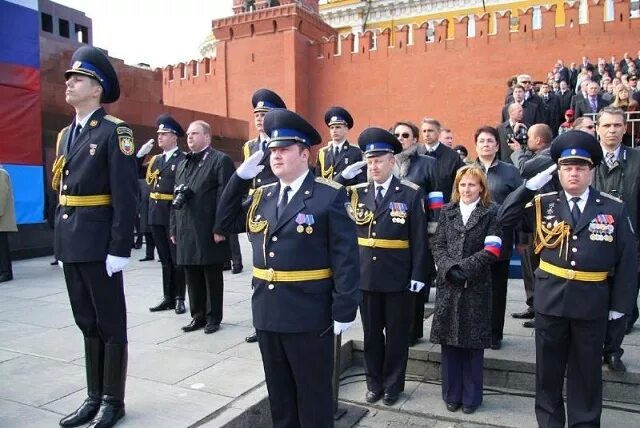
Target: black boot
(115, 375)
(180, 309)
(94, 361)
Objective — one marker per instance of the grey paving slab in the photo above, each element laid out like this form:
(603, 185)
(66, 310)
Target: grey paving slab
(8, 303)
(231, 377)
(8, 355)
(167, 365)
(227, 337)
(16, 415)
(61, 297)
(60, 344)
(238, 314)
(158, 329)
(43, 314)
(36, 381)
(24, 291)
(10, 330)
(250, 351)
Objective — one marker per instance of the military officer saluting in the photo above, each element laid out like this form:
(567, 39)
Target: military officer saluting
(306, 269)
(95, 173)
(391, 227)
(587, 274)
(339, 154)
(161, 177)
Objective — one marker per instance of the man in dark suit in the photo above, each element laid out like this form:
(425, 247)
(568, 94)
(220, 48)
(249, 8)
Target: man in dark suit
(201, 248)
(509, 129)
(338, 154)
(564, 99)
(161, 177)
(532, 112)
(306, 270)
(390, 219)
(593, 103)
(95, 173)
(587, 273)
(551, 105)
(263, 101)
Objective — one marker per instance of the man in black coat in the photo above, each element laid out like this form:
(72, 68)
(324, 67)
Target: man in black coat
(306, 270)
(95, 173)
(339, 154)
(509, 129)
(551, 105)
(201, 248)
(618, 174)
(564, 99)
(532, 111)
(593, 103)
(391, 227)
(587, 274)
(161, 177)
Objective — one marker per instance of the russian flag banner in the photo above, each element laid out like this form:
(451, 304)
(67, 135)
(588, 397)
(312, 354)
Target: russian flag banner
(435, 200)
(493, 244)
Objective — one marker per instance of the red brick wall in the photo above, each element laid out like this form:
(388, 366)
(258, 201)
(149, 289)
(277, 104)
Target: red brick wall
(460, 81)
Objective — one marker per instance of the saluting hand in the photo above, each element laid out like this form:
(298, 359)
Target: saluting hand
(540, 179)
(352, 170)
(251, 166)
(146, 148)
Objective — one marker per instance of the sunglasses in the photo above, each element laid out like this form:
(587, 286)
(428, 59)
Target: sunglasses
(526, 81)
(590, 127)
(403, 135)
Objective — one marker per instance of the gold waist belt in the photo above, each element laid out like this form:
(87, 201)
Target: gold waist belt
(573, 274)
(85, 200)
(394, 244)
(161, 196)
(291, 275)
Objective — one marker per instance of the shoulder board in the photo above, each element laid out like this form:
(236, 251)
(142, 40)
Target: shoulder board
(538, 197)
(359, 185)
(113, 119)
(613, 198)
(407, 183)
(547, 194)
(264, 186)
(330, 183)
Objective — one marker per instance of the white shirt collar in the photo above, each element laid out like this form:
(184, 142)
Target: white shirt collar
(432, 148)
(337, 144)
(581, 203)
(83, 121)
(467, 209)
(295, 186)
(385, 185)
(616, 152)
(170, 153)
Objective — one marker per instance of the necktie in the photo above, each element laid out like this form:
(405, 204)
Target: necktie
(336, 151)
(609, 158)
(575, 211)
(74, 136)
(263, 145)
(283, 201)
(594, 105)
(379, 196)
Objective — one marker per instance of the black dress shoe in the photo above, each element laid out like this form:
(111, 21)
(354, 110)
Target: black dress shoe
(83, 414)
(529, 323)
(211, 328)
(496, 344)
(526, 314)
(164, 305)
(615, 364)
(180, 309)
(226, 266)
(6, 277)
(372, 397)
(389, 399)
(146, 259)
(252, 338)
(195, 324)
(453, 407)
(54, 262)
(469, 410)
(236, 269)
(109, 414)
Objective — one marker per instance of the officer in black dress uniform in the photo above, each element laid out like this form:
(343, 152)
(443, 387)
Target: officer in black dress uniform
(95, 174)
(263, 101)
(587, 273)
(339, 154)
(306, 270)
(161, 177)
(391, 227)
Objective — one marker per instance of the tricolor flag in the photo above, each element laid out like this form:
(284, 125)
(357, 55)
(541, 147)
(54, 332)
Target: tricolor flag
(435, 200)
(493, 244)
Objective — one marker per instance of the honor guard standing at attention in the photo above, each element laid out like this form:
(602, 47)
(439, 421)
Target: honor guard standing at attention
(95, 173)
(161, 177)
(391, 227)
(263, 101)
(339, 154)
(306, 270)
(587, 274)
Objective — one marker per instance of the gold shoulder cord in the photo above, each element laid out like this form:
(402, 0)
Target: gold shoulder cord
(58, 166)
(326, 173)
(550, 238)
(361, 218)
(246, 150)
(152, 176)
(256, 226)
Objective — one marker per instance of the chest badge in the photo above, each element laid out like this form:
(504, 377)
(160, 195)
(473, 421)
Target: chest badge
(398, 212)
(302, 220)
(92, 149)
(601, 228)
(93, 123)
(173, 167)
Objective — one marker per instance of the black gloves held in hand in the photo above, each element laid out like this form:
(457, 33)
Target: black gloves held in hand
(456, 276)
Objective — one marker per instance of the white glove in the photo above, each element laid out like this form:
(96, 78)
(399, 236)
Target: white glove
(60, 264)
(146, 148)
(251, 166)
(415, 286)
(613, 315)
(540, 179)
(352, 170)
(341, 327)
(115, 264)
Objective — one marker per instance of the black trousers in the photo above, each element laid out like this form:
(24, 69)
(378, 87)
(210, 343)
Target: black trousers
(206, 287)
(574, 345)
(631, 319)
(5, 255)
(149, 246)
(416, 307)
(386, 320)
(236, 255)
(173, 282)
(462, 377)
(530, 262)
(97, 301)
(298, 368)
(499, 280)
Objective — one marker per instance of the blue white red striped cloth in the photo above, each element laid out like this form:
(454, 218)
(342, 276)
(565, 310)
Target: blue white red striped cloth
(435, 200)
(493, 244)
